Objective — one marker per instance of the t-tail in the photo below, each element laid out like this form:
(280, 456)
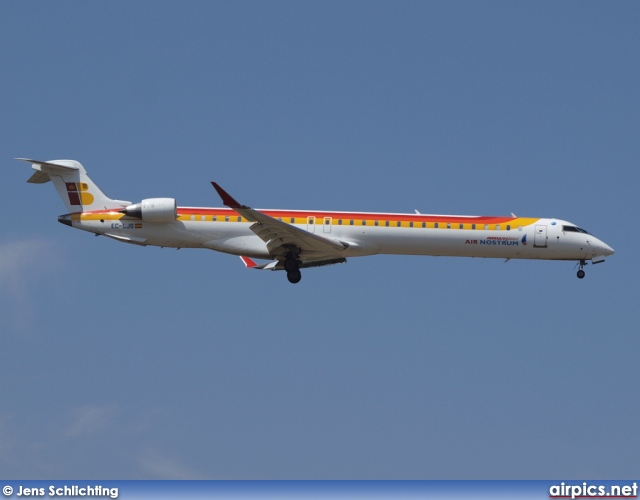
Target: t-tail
(78, 192)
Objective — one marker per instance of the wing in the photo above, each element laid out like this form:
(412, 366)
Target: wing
(283, 239)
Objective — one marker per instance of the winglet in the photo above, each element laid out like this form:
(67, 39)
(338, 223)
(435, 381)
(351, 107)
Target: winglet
(248, 263)
(227, 199)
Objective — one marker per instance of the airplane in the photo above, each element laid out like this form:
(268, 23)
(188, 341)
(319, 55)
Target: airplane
(297, 239)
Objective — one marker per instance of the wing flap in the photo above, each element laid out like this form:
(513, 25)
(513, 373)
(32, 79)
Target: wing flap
(279, 266)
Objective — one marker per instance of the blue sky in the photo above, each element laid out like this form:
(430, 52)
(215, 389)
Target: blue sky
(134, 363)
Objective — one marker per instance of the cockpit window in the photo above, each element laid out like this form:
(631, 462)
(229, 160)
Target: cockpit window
(574, 229)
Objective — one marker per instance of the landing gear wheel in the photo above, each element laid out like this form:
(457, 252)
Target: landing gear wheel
(290, 264)
(294, 276)
(581, 273)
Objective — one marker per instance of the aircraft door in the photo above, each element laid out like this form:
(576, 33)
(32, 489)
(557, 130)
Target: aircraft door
(540, 237)
(326, 227)
(311, 224)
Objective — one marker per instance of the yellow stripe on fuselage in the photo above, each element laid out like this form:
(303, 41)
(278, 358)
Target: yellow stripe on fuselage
(347, 219)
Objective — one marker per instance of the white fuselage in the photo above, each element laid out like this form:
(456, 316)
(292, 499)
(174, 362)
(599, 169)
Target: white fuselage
(224, 230)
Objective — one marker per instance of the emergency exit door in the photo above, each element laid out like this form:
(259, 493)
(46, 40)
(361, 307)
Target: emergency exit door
(540, 237)
(326, 227)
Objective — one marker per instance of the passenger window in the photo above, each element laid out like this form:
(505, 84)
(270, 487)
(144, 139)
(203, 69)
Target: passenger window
(424, 224)
(386, 223)
(473, 226)
(339, 222)
(461, 226)
(436, 225)
(364, 222)
(215, 218)
(508, 228)
(448, 225)
(239, 219)
(226, 218)
(497, 227)
(375, 223)
(293, 220)
(411, 224)
(486, 227)
(351, 222)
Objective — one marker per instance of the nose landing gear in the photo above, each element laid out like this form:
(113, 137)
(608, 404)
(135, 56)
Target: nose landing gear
(581, 272)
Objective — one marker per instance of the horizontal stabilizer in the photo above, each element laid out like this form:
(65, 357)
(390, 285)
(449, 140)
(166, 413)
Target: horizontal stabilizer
(39, 178)
(44, 168)
(50, 166)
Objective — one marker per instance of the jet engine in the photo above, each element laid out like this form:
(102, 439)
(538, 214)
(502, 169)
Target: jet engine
(153, 210)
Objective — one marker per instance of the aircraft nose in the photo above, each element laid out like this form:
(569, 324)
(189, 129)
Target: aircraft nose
(602, 248)
(607, 250)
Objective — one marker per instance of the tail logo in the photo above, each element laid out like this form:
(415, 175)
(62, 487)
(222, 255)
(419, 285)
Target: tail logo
(78, 193)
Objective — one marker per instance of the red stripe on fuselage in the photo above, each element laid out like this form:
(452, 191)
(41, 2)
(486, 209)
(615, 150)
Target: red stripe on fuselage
(288, 214)
(284, 214)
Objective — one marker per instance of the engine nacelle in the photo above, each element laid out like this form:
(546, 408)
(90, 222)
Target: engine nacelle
(153, 210)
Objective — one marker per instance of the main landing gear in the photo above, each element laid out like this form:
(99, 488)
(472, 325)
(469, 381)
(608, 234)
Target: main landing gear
(294, 276)
(581, 272)
(292, 267)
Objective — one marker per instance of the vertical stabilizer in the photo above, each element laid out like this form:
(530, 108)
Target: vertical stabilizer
(78, 192)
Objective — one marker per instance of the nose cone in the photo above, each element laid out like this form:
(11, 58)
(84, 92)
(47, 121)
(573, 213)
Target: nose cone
(601, 248)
